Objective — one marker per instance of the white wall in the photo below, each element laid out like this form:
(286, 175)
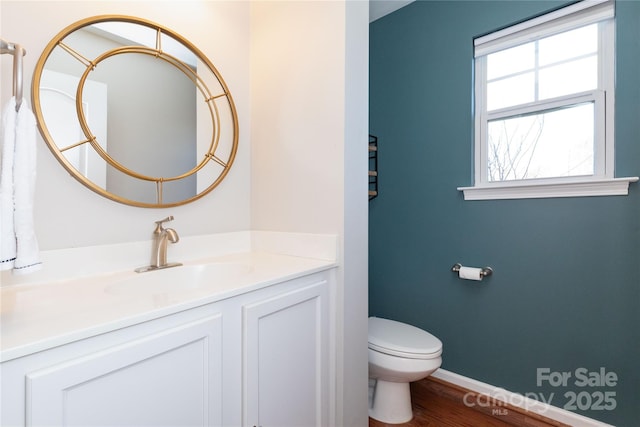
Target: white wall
(297, 91)
(309, 89)
(69, 215)
(355, 309)
(298, 72)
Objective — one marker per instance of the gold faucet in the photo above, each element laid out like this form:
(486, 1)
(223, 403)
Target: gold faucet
(161, 236)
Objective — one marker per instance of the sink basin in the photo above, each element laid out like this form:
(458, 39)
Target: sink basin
(179, 279)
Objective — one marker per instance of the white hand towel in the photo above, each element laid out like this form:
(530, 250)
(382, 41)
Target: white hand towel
(7, 231)
(24, 183)
(18, 244)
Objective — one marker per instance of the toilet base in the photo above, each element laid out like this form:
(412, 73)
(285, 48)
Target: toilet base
(391, 402)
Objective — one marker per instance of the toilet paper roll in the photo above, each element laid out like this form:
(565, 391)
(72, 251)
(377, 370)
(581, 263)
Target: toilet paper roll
(470, 273)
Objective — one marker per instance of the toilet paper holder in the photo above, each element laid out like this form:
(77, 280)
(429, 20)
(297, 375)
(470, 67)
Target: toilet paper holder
(484, 272)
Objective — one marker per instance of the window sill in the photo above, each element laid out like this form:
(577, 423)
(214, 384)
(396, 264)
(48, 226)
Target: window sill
(549, 189)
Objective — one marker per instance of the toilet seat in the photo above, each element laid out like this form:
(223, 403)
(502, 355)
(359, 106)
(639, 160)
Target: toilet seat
(402, 340)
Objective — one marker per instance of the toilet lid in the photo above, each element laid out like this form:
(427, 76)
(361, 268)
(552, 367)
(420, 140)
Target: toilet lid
(400, 339)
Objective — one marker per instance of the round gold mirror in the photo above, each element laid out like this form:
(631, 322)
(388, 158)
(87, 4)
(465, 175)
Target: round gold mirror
(134, 111)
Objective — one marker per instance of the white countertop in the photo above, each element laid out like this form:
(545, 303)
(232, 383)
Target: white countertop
(42, 315)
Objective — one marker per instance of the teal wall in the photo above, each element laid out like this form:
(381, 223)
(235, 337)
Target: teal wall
(566, 289)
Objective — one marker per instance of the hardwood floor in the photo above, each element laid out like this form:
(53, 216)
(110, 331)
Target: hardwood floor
(437, 403)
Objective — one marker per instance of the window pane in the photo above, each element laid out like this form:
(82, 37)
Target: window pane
(511, 61)
(571, 44)
(515, 90)
(569, 77)
(556, 143)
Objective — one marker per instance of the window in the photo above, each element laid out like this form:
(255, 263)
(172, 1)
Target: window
(544, 99)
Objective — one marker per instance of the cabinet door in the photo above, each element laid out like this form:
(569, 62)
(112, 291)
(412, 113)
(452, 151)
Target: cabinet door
(286, 378)
(172, 378)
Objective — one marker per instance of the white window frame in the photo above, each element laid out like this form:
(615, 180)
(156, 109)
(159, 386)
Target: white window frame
(603, 181)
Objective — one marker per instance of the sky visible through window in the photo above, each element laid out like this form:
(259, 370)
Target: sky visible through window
(548, 143)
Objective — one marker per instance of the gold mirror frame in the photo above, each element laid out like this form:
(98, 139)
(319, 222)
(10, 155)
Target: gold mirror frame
(211, 100)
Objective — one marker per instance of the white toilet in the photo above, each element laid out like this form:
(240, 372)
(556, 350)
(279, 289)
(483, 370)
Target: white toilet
(398, 354)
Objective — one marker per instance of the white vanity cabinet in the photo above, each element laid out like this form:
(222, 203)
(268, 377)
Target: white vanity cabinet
(286, 358)
(171, 378)
(165, 372)
(259, 358)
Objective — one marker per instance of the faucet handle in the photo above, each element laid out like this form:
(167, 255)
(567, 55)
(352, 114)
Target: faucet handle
(167, 219)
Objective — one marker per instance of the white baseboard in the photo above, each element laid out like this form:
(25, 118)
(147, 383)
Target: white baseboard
(515, 399)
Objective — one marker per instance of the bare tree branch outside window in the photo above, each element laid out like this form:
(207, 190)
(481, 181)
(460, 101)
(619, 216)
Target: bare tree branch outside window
(512, 146)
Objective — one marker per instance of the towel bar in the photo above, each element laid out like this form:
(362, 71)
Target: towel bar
(18, 52)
